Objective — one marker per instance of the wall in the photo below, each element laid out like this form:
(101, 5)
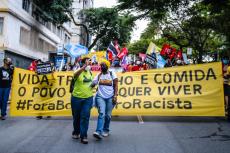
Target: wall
(15, 18)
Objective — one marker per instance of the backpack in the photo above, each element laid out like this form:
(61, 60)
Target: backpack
(72, 85)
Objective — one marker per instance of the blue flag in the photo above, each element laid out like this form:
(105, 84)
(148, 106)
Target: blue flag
(160, 61)
(76, 50)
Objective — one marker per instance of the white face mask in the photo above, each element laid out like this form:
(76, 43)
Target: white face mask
(178, 62)
(88, 68)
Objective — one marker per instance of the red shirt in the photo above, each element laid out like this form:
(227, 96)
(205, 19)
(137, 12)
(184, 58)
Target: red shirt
(136, 68)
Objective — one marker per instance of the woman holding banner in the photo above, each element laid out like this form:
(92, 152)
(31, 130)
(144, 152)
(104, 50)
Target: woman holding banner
(82, 100)
(106, 98)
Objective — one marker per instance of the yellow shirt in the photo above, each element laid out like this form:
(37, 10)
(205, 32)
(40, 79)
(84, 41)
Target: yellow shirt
(82, 87)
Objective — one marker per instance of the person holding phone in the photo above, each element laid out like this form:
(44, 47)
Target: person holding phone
(106, 98)
(82, 100)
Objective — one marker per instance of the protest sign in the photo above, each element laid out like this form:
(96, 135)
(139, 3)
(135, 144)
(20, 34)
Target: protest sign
(150, 60)
(44, 68)
(195, 90)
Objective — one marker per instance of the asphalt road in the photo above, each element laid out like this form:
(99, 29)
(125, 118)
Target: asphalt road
(155, 135)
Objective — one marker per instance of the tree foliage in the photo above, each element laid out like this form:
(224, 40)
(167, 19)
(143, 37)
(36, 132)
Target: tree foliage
(152, 8)
(53, 10)
(139, 46)
(107, 24)
(202, 25)
(103, 23)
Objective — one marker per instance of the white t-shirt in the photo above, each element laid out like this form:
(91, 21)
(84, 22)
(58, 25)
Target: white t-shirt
(105, 91)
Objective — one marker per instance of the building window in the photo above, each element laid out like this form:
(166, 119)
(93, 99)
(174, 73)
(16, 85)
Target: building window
(67, 39)
(26, 5)
(59, 31)
(1, 25)
(24, 37)
(41, 44)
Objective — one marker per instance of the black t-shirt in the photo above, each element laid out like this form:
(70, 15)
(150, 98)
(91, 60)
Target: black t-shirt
(5, 77)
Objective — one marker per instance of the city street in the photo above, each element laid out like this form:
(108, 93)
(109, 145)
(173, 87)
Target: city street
(153, 135)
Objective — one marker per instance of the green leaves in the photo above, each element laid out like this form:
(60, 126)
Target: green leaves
(139, 46)
(106, 24)
(53, 10)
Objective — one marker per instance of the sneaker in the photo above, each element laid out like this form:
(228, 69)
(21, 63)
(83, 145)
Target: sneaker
(39, 117)
(97, 135)
(84, 141)
(3, 118)
(105, 134)
(75, 136)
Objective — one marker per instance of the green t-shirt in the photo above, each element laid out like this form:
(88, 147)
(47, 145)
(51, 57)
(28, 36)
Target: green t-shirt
(82, 87)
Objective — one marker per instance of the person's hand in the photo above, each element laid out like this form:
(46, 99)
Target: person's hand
(114, 100)
(87, 62)
(93, 85)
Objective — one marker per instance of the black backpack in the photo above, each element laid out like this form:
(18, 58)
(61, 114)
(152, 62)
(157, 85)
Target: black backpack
(72, 85)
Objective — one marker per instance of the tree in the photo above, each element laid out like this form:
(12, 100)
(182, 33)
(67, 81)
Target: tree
(53, 10)
(219, 10)
(139, 46)
(103, 23)
(58, 12)
(152, 8)
(106, 24)
(188, 26)
(192, 28)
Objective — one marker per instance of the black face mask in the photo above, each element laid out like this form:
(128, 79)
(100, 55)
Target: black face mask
(104, 68)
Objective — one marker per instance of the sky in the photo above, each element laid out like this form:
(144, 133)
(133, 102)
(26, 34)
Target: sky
(140, 24)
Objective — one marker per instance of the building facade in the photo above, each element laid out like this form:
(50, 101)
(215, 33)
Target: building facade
(79, 35)
(25, 37)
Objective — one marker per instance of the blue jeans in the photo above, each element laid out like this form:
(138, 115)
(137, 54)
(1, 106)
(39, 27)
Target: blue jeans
(81, 114)
(105, 107)
(4, 97)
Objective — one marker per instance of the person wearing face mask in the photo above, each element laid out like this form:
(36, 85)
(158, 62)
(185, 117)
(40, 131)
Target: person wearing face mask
(82, 100)
(106, 98)
(6, 75)
(138, 66)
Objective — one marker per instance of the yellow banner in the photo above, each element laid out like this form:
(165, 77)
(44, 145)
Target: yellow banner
(195, 90)
(96, 56)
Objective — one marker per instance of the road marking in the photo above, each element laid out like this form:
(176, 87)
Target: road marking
(140, 120)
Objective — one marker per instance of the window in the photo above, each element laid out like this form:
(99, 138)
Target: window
(66, 39)
(48, 25)
(26, 5)
(59, 31)
(1, 25)
(24, 37)
(41, 44)
(54, 29)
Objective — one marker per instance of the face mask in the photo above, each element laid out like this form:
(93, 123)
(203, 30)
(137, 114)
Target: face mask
(88, 68)
(225, 62)
(138, 62)
(104, 68)
(178, 61)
